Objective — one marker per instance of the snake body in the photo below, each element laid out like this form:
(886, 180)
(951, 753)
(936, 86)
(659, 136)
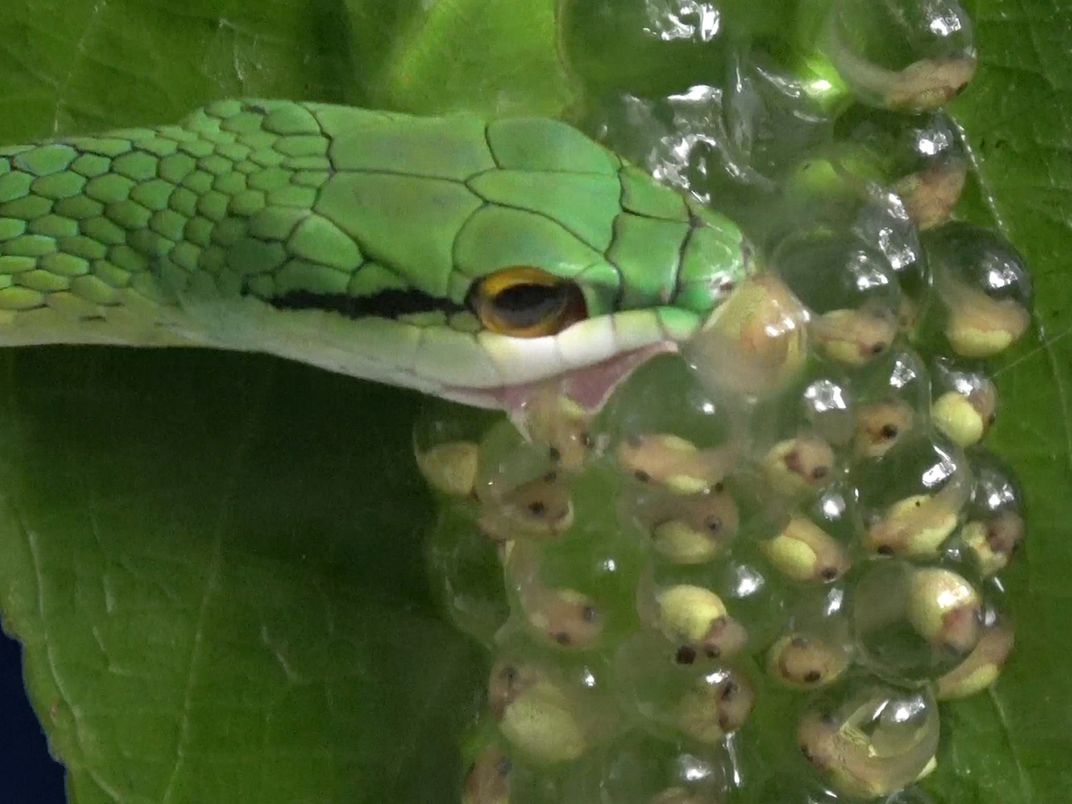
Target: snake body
(352, 240)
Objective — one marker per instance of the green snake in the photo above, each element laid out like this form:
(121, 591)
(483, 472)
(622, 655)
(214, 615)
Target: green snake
(458, 256)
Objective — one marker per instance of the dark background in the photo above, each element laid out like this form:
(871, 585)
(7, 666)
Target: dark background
(28, 774)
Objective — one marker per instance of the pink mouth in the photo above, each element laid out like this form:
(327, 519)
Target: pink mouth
(588, 386)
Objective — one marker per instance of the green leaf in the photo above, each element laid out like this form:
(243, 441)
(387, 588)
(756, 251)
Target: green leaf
(1013, 745)
(215, 565)
(495, 58)
(83, 65)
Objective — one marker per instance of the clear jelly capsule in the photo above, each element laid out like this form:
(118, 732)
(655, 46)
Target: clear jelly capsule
(910, 55)
(600, 534)
(816, 648)
(771, 117)
(914, 624)
(911, 499)
(673, 699)
(901, 374)
(646, 769)
(984, 664)
(965, 402)
(577, 593)
(984, 286)
(718, 704)
(561, 616)
(843, 190)
(870, 739)
(644, 413)
(548, 716)
(684, 529)
(752, 592)
(835, 510)
(827, 189)
(828, 407)
(850, 288)
(893, 399)
(727, 145)
(446, 442)
(465, 572)
(994, 526)
(680, 139)
(922, 156)
(754, 344)
(521, 493)
(884, 222)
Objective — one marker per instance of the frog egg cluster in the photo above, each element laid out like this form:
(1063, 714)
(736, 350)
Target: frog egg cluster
(757, 571)
(808, 522)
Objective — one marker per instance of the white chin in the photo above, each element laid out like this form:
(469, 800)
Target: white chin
(589, 386)
(585, 362)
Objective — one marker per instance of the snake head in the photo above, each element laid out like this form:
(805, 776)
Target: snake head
(474, 260)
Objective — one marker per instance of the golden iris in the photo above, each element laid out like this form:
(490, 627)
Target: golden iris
(525, 302)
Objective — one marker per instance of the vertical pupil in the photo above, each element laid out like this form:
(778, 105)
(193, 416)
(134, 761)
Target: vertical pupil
(526, 305)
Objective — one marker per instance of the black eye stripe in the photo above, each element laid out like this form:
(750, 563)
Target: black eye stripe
(392, 304)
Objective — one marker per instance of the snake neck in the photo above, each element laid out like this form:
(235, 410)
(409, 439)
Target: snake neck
(84, 224)
(109, 239)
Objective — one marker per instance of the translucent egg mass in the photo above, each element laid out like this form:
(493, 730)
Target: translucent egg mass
(753, 574)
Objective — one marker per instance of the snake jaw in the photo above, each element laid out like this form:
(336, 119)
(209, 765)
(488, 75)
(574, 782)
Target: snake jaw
(585, 362)
(589, 386)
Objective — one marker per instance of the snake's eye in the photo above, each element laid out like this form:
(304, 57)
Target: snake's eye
(526, 302)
